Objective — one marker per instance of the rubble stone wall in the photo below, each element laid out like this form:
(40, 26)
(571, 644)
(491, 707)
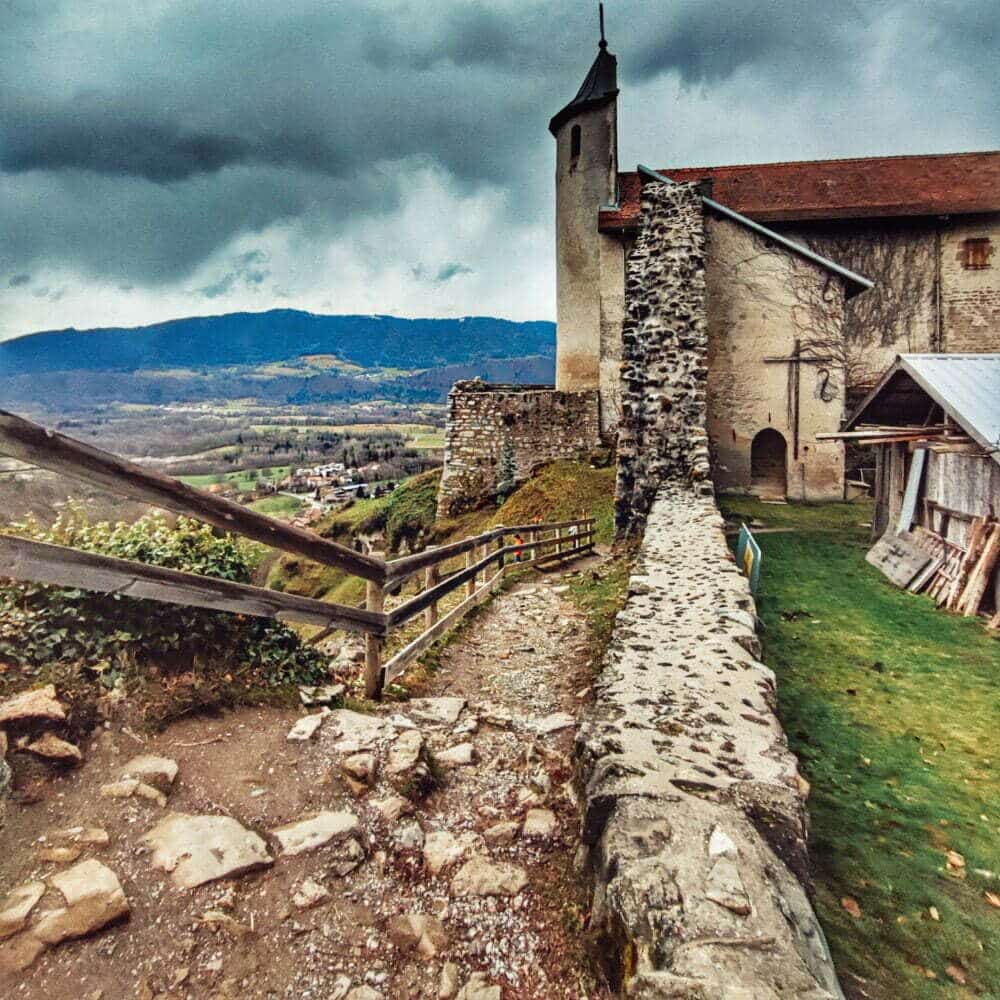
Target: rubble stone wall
(533, 425)
(695, 823)
(664, 354)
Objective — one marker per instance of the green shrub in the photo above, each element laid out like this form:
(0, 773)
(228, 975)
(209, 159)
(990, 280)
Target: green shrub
(43, 625)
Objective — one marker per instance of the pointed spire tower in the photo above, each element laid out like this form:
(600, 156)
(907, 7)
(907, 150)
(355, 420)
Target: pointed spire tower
(600, 86)
(586, 133)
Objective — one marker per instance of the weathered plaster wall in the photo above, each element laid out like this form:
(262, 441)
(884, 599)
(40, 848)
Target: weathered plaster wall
(535, 424)
(970, 298)
(695, 824)
(583, 184)
(762, 298)
(612, 319)
(664, 341)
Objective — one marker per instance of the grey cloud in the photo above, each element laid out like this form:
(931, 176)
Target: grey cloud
(453, 270)
(19, 279)
(248, 268)
(133, 149)
(442, 274)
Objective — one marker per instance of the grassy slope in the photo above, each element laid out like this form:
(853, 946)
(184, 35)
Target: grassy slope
(894, 711)
(560, 491)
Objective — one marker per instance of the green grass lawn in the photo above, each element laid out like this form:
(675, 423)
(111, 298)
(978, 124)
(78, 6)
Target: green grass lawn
(279, 505)
(893, 709)
(242, 480)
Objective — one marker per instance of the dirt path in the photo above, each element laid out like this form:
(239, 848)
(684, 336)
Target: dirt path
(521, 673)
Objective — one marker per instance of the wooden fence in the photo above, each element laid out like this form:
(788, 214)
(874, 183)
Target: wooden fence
(487, 556)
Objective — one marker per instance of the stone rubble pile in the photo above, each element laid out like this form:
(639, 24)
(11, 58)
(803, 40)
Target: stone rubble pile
(27, 713)
(695, 823)
(469, 871)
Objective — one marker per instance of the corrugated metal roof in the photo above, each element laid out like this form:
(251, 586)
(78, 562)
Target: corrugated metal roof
(968, 388)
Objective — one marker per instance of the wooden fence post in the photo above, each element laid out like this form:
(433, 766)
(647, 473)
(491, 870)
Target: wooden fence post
(470, 559)
(432, 576)
(559, 544)
(374, 601)
(533, 537)
(500, 544)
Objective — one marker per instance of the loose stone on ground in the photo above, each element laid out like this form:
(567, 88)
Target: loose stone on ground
(199, 849)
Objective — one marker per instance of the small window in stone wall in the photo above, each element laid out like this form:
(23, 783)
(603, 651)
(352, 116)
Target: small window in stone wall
(575, 141)
(975, 253)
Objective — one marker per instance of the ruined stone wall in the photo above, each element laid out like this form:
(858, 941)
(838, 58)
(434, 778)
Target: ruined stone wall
(695, 824)
(532, 425)
(664, 348)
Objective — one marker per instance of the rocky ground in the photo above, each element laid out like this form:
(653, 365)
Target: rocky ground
(425, 850)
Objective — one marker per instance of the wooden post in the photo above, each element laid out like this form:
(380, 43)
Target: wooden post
(558, 545)
(500, 544)
(432, 576)
(533, 537)
(470, 559)
(374, 601)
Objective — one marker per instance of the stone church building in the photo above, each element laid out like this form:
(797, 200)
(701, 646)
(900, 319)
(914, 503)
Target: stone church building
(814, 275)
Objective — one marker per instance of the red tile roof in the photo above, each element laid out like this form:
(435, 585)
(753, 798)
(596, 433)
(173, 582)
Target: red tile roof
(882, 186)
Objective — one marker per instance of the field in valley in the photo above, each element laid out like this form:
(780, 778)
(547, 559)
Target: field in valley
(893, 709)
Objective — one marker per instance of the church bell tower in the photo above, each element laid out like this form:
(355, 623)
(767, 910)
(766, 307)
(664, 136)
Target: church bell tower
(586, 134)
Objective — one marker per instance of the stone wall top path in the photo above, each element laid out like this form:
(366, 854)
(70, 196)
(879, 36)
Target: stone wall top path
(695, 824)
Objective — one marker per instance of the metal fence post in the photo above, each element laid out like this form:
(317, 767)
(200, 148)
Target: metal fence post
(374, 601)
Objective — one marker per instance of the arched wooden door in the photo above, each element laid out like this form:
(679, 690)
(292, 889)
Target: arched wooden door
(769, 464)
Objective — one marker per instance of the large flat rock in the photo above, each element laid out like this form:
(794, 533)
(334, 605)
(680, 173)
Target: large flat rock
(40, 703)
(435, 711)
(315, 831)
(199, 849)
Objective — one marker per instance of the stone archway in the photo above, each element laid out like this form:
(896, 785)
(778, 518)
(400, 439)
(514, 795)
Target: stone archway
(769, 464)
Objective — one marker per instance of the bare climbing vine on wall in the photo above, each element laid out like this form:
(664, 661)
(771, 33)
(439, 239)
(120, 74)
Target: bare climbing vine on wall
(901, 264)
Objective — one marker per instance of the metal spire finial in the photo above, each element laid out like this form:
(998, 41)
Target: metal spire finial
(604, 41)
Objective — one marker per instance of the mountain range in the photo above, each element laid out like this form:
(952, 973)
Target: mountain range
(283, 355)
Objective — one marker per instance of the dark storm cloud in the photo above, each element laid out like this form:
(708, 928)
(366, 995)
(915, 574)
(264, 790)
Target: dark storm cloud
(138, 140)
(17, 280)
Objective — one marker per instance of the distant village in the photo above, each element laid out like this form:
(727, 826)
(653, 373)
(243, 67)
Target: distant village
(321, 487)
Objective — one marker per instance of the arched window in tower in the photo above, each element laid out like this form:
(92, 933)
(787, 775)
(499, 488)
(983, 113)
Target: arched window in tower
(575, 139)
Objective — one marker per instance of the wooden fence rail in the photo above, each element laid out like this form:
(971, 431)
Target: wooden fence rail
(40, 562)
(29, 442)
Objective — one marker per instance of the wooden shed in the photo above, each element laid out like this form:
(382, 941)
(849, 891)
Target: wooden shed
(934, 422)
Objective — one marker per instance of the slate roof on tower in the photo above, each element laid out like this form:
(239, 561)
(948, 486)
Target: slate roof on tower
(872, 187)
(599, 87)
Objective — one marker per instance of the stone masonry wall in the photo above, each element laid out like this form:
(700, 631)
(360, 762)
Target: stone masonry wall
(695, 823)
(535, 424)
(664, 347)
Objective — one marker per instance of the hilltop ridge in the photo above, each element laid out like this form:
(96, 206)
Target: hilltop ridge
(277, 335)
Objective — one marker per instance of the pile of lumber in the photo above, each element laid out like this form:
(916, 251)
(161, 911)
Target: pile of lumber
(962, 576)
(869, 434)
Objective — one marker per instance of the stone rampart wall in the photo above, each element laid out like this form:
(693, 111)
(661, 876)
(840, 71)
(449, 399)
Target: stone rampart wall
(530, 425)
(695, 822)
(664, 354)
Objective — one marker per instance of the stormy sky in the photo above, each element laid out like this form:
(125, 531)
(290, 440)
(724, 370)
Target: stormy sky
(164, 158)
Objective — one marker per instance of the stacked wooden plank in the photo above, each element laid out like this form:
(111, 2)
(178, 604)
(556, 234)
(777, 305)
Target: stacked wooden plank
(961, 577)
